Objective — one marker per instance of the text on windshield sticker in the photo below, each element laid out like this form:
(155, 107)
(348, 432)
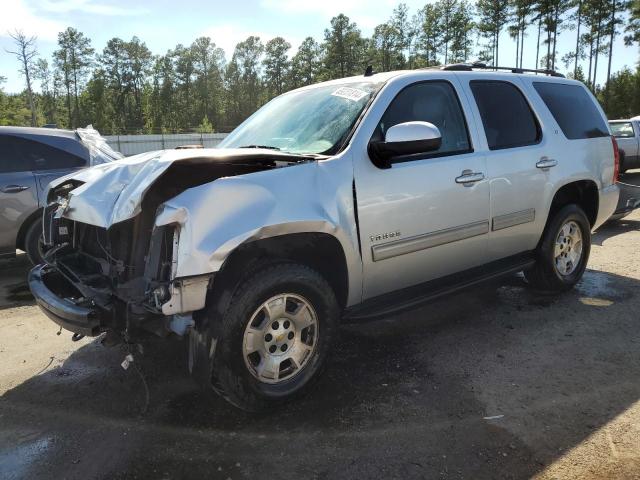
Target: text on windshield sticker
(350, 93)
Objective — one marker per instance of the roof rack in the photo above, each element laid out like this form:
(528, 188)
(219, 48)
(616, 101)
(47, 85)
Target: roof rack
(467, 67)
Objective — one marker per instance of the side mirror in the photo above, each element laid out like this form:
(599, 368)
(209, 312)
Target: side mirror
(409, 138)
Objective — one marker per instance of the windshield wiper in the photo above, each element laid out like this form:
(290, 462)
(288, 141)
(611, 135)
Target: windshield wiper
(268, 147)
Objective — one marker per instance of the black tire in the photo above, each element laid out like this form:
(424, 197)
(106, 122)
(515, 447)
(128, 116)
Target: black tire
(231, 376)
(623, 167)
(33, 242)
(544, 274)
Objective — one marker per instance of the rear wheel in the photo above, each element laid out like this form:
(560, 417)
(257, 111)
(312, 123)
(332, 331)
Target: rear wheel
(34, 243)
(563, 252)
(274, 336)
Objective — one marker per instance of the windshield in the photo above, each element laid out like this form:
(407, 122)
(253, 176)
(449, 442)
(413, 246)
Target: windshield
(310, 121)
(621, 130)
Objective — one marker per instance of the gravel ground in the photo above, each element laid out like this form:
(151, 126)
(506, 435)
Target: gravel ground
(494, 382)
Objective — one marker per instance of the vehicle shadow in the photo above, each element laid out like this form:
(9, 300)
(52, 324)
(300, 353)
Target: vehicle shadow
(14, 291)
(494, 382)
(613, 229)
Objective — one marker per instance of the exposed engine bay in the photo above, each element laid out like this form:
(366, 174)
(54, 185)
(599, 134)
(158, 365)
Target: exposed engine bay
(124, 274)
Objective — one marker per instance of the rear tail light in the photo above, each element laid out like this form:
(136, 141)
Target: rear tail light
(616, 159)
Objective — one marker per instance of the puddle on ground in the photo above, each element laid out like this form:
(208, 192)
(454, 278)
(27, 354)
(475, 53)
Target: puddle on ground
(521, 296)
(15, 462)
(599, 285)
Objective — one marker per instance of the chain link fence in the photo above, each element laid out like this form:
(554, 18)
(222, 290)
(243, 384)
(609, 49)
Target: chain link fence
(134, 144)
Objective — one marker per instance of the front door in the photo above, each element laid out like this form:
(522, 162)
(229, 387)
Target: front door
(428, 215)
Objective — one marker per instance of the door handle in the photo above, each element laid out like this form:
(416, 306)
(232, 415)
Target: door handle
(546, 162)
(14, 188)
(468, 177)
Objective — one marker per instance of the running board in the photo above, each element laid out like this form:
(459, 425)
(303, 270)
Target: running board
(418, 295)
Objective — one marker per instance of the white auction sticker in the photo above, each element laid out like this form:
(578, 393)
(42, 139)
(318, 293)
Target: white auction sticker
(350, 93)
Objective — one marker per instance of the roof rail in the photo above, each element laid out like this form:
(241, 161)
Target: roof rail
(467, 67)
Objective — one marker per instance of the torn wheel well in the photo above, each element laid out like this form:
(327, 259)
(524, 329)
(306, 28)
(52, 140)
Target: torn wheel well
(320, 251)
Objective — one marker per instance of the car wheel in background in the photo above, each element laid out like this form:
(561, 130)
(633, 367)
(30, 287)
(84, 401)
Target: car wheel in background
(34, 243)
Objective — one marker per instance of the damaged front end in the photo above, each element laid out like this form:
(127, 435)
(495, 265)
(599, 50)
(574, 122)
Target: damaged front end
(120, 279)
(120, 276)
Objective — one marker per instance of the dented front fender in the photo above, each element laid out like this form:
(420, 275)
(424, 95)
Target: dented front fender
(216, 218)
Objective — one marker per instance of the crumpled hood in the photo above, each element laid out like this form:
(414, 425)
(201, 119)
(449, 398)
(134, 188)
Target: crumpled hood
(113, 192)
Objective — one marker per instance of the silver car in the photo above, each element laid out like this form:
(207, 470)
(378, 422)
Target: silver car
(342, 201)
(29, 159)
(627, 133)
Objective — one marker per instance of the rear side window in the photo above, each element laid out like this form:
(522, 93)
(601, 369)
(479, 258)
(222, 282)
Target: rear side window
(46, 157)
(622, 130)
(573, 109)
(506, 116)
(10, 158)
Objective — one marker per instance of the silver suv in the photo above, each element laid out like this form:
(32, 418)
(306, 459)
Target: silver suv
(342, 201)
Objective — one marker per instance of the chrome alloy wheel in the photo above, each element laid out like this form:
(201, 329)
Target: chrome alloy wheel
(280, 338)
(568, 248)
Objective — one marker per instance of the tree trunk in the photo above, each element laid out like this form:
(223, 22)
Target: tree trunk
(595, 64)
(612, 38)
(29, 91)
(497, 64)
(524, 29)
(75, 89)
(538, 44)
(548, 44)
(590, 58)
(518, 44)
(575, 66)
(555, 35)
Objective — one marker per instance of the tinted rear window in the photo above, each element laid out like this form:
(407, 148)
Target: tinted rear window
(573, 109)
(45, 157)
(506, 116)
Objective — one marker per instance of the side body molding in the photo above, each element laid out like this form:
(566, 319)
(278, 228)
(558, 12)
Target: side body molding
(428, 240)
(218, 217)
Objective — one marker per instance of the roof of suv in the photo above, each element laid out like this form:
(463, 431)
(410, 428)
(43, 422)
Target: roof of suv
(420, 73)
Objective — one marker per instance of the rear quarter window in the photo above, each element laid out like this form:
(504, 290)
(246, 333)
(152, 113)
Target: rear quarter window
(573, 109)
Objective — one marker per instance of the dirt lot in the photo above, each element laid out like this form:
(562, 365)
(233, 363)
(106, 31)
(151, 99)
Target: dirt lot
(496, 382)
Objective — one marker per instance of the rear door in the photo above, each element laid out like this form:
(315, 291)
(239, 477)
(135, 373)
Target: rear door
(519, 163)
(18, 192)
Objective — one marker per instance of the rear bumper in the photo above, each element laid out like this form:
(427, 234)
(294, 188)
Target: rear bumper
(629, 200)
(44, 282)
(607, 205)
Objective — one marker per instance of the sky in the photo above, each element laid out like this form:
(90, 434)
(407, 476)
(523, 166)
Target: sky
(162, 24)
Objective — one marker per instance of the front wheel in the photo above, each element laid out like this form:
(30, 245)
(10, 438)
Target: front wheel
(274, 336)
(561, 257)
